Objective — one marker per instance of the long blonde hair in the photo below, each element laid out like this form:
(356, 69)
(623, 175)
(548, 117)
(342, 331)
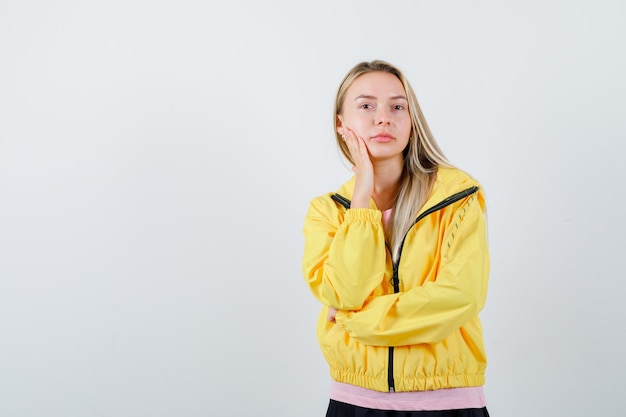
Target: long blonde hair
(422, 156)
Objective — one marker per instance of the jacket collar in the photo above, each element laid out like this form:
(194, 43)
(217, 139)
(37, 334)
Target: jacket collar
(449, 181)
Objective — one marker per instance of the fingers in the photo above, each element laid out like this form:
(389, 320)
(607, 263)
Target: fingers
(332, 312)
(355, 145)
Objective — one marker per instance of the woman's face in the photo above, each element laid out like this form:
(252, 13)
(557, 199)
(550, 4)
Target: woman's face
(376, 109)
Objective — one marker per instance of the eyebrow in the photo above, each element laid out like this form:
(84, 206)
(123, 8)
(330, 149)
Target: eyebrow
(369, 97)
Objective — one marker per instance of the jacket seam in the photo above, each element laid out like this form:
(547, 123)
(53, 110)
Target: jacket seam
(459, 218)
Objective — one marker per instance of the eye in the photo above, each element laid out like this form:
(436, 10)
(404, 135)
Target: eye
(398, 107)
(366, 106)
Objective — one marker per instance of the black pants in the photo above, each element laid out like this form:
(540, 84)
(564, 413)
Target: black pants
(339, 409)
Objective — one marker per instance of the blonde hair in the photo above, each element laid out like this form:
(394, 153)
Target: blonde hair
(422, 156)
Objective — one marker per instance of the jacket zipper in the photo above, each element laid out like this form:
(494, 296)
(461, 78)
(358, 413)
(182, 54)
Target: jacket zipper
(395, 279)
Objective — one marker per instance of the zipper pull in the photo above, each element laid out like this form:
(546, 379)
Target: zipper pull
(395, 280)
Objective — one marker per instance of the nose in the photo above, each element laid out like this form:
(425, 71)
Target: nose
(382, 116)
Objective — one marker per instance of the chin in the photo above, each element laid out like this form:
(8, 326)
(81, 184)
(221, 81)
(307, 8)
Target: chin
(379, 157)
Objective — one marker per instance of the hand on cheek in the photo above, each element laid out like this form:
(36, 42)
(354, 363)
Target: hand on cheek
(363, 169)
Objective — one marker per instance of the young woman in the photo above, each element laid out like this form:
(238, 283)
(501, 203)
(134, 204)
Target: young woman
(398, 256)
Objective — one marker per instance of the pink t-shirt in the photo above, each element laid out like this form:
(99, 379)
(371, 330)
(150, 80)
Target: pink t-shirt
(442, 399)
(386, 217)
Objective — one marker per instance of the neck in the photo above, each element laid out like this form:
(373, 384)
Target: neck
(387, 176)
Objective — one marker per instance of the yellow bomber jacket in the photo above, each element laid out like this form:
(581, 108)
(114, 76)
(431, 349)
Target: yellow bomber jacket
(418, 328)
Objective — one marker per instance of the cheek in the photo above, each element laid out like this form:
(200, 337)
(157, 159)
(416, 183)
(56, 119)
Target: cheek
(356, 124)
(406, 127)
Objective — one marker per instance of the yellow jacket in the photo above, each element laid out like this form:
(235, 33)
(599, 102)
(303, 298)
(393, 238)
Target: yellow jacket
(415, 330)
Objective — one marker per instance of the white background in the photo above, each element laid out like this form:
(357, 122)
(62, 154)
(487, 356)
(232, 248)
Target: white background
(157, 159)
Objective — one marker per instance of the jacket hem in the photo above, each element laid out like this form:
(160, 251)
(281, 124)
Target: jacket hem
(426, 383)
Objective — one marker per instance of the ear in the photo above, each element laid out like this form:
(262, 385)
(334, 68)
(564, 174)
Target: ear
(339, 122)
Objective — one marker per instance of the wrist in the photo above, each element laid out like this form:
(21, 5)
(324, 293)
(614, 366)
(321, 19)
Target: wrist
(360, 202)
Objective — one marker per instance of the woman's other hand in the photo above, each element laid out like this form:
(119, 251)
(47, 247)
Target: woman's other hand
(332, 312)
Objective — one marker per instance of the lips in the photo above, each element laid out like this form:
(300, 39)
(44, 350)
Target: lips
(383, 138)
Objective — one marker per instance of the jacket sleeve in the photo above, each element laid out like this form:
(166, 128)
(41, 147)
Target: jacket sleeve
(430, 313)
(344, 259)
